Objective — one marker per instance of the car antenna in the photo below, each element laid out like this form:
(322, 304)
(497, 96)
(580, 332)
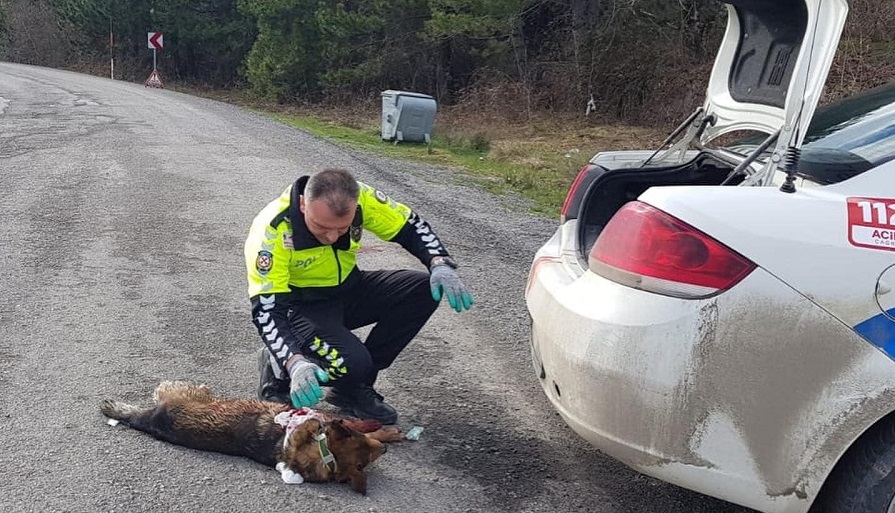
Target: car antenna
(791, 165)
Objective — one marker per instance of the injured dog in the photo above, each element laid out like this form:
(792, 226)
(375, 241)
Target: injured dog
(305, 445)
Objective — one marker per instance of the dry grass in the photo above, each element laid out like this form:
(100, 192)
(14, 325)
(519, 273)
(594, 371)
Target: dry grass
(540, 149)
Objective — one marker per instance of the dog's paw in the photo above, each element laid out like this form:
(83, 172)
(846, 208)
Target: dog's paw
(107, 407)
(117, 410)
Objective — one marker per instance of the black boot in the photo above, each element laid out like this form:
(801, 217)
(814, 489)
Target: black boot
(271, 388)
(363, 402)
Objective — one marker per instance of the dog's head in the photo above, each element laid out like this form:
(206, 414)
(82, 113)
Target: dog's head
(352, 451)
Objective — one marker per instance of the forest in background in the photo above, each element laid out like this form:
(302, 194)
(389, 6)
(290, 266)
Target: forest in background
(642, 61)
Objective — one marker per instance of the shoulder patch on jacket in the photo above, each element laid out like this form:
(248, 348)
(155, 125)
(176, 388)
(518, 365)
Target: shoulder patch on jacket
(264, 262)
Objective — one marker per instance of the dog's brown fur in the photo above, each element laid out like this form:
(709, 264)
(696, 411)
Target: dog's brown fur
(188, 414)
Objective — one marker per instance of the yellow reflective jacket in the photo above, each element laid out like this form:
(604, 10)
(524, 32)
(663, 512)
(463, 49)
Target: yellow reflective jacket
(286, 264)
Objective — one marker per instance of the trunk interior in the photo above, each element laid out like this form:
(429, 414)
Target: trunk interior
(615, 187)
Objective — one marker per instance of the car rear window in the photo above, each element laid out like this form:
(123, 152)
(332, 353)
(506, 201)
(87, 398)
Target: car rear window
(845, 138)
(862, 126)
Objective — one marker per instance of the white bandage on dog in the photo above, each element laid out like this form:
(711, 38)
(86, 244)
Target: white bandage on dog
(289, 477)
(289, 420)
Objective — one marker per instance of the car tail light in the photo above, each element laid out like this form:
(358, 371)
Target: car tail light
(646, 248)
(571, 194)
(534, 269)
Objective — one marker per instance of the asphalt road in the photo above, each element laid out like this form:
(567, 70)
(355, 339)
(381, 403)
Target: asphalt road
(123, 212)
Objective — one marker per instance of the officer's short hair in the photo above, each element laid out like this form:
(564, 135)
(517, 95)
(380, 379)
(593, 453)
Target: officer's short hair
(337, 187)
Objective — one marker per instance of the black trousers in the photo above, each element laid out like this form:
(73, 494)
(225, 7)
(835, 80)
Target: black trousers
(398, 302)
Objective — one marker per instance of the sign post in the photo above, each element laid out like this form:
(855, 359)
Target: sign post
(111, 51)
(155, 41)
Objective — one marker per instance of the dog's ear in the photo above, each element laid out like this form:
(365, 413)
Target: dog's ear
(358, 480)
(341, 428)
(302, 435)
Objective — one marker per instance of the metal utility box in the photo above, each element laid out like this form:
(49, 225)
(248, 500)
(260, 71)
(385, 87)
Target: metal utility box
(407, 116)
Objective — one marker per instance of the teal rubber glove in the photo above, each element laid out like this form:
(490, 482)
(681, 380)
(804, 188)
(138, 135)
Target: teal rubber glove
(304, 383)
(443, 280)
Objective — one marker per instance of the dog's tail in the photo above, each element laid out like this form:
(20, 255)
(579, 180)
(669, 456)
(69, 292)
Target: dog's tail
(118, 410)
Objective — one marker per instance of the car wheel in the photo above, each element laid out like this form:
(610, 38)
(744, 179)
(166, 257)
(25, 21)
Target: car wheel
(864, 480)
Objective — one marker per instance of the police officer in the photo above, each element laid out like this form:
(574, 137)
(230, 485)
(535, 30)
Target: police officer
(307, 293)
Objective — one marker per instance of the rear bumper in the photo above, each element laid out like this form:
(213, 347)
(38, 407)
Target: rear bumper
(727, 396)
(613, 366)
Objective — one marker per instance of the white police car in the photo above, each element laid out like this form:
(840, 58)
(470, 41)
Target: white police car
(722, 317)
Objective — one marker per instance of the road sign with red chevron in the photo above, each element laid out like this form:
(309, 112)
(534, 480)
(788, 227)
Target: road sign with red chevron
(154, 40)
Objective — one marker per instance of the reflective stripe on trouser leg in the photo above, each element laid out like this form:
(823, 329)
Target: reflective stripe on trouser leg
(334, 364)
(275, 367)
(331, 345)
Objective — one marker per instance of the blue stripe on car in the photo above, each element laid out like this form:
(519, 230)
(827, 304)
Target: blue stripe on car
(880, 330)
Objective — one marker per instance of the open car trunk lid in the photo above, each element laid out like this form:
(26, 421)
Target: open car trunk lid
(772, 66)
(768, 77)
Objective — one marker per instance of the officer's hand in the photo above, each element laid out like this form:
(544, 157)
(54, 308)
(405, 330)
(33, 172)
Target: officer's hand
(444, 280)
(305, 379)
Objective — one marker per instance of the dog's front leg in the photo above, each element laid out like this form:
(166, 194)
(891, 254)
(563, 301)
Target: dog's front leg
(386, 435)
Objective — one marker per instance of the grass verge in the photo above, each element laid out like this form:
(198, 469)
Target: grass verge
(498, 171)
(536, 158)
